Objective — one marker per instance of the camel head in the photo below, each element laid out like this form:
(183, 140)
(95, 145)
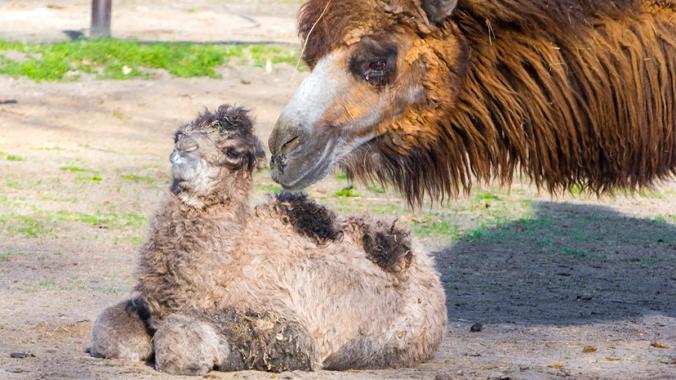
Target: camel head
(214, 157)
(383, 73)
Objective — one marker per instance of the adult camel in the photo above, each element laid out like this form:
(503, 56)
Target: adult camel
(430, 95)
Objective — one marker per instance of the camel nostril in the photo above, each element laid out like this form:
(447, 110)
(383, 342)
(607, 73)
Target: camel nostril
(290, 145)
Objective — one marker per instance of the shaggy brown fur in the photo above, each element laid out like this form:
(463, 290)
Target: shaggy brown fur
(232, 289)
(264, 341)
(567, 92)
(231, 340)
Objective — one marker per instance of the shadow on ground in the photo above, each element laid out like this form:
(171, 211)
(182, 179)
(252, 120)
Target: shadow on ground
(568, 264)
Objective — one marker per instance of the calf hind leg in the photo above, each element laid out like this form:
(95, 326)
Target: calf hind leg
(120, 332)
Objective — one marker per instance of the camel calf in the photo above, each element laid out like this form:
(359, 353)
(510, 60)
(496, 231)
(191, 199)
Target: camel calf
(287, 285)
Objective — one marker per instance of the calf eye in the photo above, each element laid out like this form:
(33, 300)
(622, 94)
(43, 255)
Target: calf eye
(233, 154)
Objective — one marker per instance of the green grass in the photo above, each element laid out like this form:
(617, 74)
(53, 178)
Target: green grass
(47, 283)
(95, 178)
(441, 228)
(12, 157)
(347, 192)
(341, 176)
(488, 197)
(120, 116)
(267, 188)
(74, 169)
(126, 59)
(138, 178)
(45, 222)
(108, 219)
(11, 184)
(376, 190)
(29, 226)
(574, 252)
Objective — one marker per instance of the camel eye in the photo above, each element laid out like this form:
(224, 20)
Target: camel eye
(375, 62)
(375, 71)
(378, 65)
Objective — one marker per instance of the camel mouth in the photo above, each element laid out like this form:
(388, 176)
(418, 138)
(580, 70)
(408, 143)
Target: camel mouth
(303, 166)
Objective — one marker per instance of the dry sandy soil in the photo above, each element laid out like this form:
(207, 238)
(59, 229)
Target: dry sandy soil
(154, 20)
(573, 287)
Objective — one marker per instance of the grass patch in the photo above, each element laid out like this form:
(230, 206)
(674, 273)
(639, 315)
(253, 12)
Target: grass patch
(488, 197)
(74, 169)
(47, 283)
(12, 184)
(95, 178)
(387, 209)
(266, 188)
(126, 59)
(376, 189)
(347, 192)
(574, 252)
(138, 178)
(120, 116)
(110, 220)
(437, 228)
(29, 226)
(12, 157)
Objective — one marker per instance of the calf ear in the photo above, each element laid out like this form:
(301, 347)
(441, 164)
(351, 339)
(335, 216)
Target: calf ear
(257, 156)
(438, 10)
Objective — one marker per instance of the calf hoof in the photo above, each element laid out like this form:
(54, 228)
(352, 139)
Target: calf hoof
(119, 333)
(188, 346)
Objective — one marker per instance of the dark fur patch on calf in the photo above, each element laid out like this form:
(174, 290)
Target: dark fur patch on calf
(139, 307)
(264, 341)
(308, 218)
(387, 245)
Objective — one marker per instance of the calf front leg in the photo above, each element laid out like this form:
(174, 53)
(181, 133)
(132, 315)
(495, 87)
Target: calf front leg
(120, 332)
(188, 345)
(195, 342)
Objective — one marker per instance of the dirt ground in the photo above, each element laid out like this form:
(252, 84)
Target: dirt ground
(154, 20)
(573, 286)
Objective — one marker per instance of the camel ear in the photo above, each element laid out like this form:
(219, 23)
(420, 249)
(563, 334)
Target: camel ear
(438, 10)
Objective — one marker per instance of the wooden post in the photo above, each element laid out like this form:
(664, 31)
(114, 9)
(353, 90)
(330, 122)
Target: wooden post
(101, 11)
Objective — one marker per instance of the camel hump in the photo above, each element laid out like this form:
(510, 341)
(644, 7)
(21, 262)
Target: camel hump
(307, 217)
(386, 244)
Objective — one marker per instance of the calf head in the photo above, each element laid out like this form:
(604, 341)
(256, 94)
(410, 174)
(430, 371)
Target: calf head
(214, 157)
